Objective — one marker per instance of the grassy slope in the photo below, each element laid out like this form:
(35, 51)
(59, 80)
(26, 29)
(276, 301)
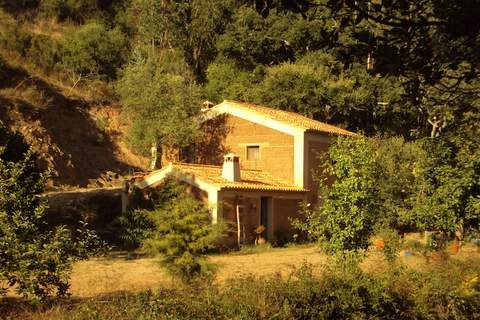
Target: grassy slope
(77, 132)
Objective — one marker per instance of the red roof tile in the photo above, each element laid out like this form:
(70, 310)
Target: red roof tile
(250, 179)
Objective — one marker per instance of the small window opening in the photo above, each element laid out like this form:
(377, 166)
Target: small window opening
(253, 152)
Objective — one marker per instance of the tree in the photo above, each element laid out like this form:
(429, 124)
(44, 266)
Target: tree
(160, 99)
(423, 185)
(449, 187)
(399, 164)
(76, 10)
(345, 219)
(190, 26)
(251, 40)
(35, 256)
(227, 81)
(319, 86)
(93, 51)
(432, 45)
(183, 233)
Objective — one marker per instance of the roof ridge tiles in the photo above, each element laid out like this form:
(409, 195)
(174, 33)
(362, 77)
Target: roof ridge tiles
(186, 164)
(291, 118)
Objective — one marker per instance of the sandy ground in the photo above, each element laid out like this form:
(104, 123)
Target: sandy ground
(116, 274)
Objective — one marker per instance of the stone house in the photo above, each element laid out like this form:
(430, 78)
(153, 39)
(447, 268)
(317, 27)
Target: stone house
(252, 165)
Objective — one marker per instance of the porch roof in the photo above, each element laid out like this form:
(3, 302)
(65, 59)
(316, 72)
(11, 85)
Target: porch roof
(212, 175)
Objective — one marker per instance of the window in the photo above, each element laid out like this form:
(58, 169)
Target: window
(253, 153)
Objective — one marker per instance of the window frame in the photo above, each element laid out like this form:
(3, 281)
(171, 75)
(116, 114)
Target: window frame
(257, 146)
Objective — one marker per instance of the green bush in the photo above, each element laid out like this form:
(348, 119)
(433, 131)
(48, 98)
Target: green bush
(92, 50)
(183, 233)
(35, 256)
(136, 226)
(391, 240)
(346, 218)
(76, 10)
(12, 37)
(44, 52)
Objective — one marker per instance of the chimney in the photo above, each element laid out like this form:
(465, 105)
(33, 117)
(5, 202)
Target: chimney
(231, 167)
(206, 105)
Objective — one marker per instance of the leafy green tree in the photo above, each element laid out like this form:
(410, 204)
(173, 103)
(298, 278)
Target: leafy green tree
(226, 81)
(449, 187)
(183, 233)
(319, 86)
(92, 51)
(35, 256)
(345, 219)
(160, 99)
(399, 164)
(76, 10)
(190, 26)
(431, 44)
(425, 185)
(251, 40)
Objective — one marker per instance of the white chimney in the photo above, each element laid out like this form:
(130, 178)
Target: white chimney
(231, 167)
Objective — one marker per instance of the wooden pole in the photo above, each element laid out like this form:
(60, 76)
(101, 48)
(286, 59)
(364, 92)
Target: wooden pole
(239, 231)
(125, 197)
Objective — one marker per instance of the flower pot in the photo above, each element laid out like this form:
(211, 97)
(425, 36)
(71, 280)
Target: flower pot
(261, 241)
(454, 248)
(379, 244)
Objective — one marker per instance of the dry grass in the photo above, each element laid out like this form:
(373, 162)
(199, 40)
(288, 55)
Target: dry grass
(110, 275)
(115, 274)
(47, 26)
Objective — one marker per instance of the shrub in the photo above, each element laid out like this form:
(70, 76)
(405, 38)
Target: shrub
(343, 291)
(183, 232)
(93, 50)
(35, 256)
(44, 51)
(391, 242)
(76, 10)
(136, 226)
(12, 37)
(350, 207)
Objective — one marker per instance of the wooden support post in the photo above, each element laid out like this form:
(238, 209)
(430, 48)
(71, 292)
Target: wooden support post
(239, 231)
(125, 198)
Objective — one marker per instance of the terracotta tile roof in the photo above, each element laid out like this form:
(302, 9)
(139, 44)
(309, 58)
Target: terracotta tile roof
(291, 118)
(250, 179)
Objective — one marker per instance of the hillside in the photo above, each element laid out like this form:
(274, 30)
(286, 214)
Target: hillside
(79, 140)
(70, 70)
